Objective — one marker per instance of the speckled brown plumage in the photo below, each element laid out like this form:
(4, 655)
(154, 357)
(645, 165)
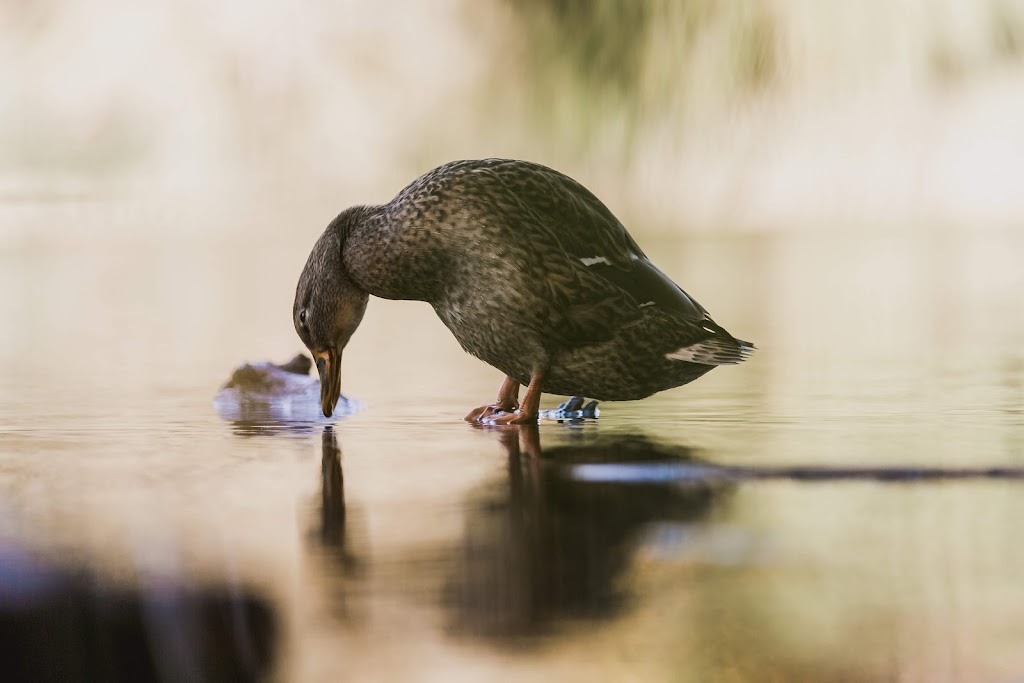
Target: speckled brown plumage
(531, 273)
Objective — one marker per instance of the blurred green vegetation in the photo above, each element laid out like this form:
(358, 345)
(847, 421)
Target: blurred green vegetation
(701, 112)
(610, 65)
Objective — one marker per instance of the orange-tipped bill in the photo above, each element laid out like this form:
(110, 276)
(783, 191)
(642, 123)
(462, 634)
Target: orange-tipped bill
(328, 364)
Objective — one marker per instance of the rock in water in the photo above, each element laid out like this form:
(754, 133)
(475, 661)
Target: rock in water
(268, 391)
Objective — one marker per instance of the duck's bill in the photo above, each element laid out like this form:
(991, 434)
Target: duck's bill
(328, 364)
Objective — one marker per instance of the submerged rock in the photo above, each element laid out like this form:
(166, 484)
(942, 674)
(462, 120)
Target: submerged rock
(268, 391)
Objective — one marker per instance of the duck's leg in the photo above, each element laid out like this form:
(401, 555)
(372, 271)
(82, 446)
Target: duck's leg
(508, 401)
(529, 409)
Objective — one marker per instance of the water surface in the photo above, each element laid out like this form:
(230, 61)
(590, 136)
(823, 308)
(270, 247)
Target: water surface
(400, 543)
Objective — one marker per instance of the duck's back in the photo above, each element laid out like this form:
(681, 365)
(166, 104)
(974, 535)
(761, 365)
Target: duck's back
(529, 269)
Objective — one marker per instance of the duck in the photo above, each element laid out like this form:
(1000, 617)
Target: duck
(530, 272)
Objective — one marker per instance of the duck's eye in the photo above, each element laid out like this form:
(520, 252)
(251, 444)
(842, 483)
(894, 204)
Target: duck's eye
(302, 317)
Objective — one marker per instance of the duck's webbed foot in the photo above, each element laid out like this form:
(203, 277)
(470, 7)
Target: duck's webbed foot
(484, 413)
(523, 414)
(518, 417)
(508, 402)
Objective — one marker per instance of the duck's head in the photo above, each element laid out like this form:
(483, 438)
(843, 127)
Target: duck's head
(328, 308)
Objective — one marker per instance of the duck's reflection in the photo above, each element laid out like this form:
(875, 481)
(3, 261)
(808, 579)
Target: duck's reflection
(545, 546)
(332, 492)
(332, 531)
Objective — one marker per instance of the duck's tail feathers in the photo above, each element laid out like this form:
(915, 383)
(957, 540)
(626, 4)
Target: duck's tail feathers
(715, 351)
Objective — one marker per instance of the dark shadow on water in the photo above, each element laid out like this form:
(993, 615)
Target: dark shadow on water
(543, 547)
(65, 624)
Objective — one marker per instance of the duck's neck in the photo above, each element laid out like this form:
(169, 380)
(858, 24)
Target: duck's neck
(389, 257)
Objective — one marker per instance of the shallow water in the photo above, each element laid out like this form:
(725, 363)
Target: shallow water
(399, 543)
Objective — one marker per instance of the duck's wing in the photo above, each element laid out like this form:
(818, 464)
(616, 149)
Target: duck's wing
(599, 277)
(582, 224)
(605, 299)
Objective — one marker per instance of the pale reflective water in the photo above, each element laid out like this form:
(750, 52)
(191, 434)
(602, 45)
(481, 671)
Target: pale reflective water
(400, 543)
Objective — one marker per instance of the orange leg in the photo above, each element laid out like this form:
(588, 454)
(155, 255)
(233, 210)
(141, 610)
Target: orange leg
(530, 407)
(508, 401)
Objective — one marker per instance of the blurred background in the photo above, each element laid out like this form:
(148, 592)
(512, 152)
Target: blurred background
(841, 183)
(690, 115)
